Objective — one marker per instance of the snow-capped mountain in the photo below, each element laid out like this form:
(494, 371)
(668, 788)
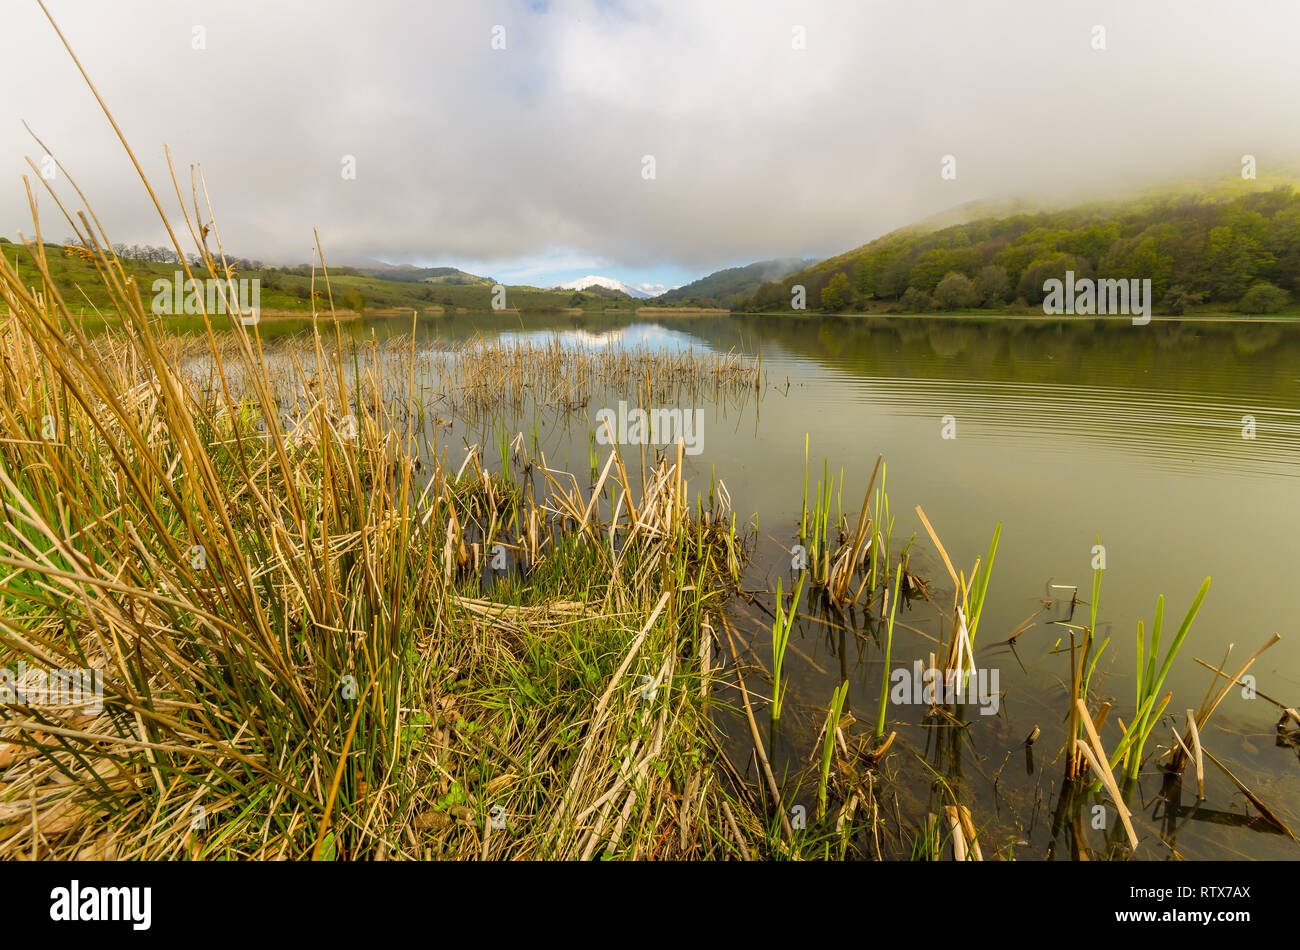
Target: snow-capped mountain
(609, 283)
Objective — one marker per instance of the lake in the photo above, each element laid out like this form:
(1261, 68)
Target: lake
(1177, 443)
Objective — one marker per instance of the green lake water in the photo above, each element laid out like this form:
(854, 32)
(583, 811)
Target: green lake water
(1063, 431)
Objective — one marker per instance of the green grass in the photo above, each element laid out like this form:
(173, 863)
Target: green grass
(87, 295)
(330, 680)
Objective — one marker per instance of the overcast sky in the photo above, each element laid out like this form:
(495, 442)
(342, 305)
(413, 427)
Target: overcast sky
(526, 163)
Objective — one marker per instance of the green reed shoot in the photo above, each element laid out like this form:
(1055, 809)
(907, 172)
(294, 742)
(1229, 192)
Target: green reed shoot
(780, 640)
(1149, 681)
(889, 649)
(824, 550)
(828, 744)
(503, 449)
(1080, 681)
(1092, 627)
(881, 529)
(803, 517)
(979, 587)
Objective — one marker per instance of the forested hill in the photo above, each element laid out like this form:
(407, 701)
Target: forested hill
(1225, 252)
(735, 285)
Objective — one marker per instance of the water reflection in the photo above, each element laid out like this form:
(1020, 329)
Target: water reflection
(1065, 431)
(651, 336)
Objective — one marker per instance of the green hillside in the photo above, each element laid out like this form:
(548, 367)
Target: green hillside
(732, 286)
(288, 290)
(428, 275)
(1230, 250)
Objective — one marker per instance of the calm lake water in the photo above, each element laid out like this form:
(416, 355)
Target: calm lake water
(1063, 431)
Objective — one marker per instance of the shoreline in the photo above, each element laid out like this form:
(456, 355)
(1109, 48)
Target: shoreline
(1036, 318)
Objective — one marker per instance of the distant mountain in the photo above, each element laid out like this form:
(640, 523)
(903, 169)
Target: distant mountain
(608, 283)
(734, 285)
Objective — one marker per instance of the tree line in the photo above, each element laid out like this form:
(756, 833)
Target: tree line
(1241, 253)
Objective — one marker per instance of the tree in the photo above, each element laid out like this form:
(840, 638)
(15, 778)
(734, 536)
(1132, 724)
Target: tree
(955, 292)
(1091, 242)
(770, 296)
(915, 301)
(1229, 258)
(1285, 244)
(1138, 258)
(932, 265)
(1263, 297)
(991, 285)
(355, 300)
(883, 272)
(837, 294)
(1180, 298)
(1041, 271)
(894, 279)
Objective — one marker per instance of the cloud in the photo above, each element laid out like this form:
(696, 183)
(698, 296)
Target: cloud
(514, 157)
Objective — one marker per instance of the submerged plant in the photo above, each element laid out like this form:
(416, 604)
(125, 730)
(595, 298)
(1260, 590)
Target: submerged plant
(828, 744)
(1082, 656)
(1150, 679)
(780, 640)
(889, 647)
